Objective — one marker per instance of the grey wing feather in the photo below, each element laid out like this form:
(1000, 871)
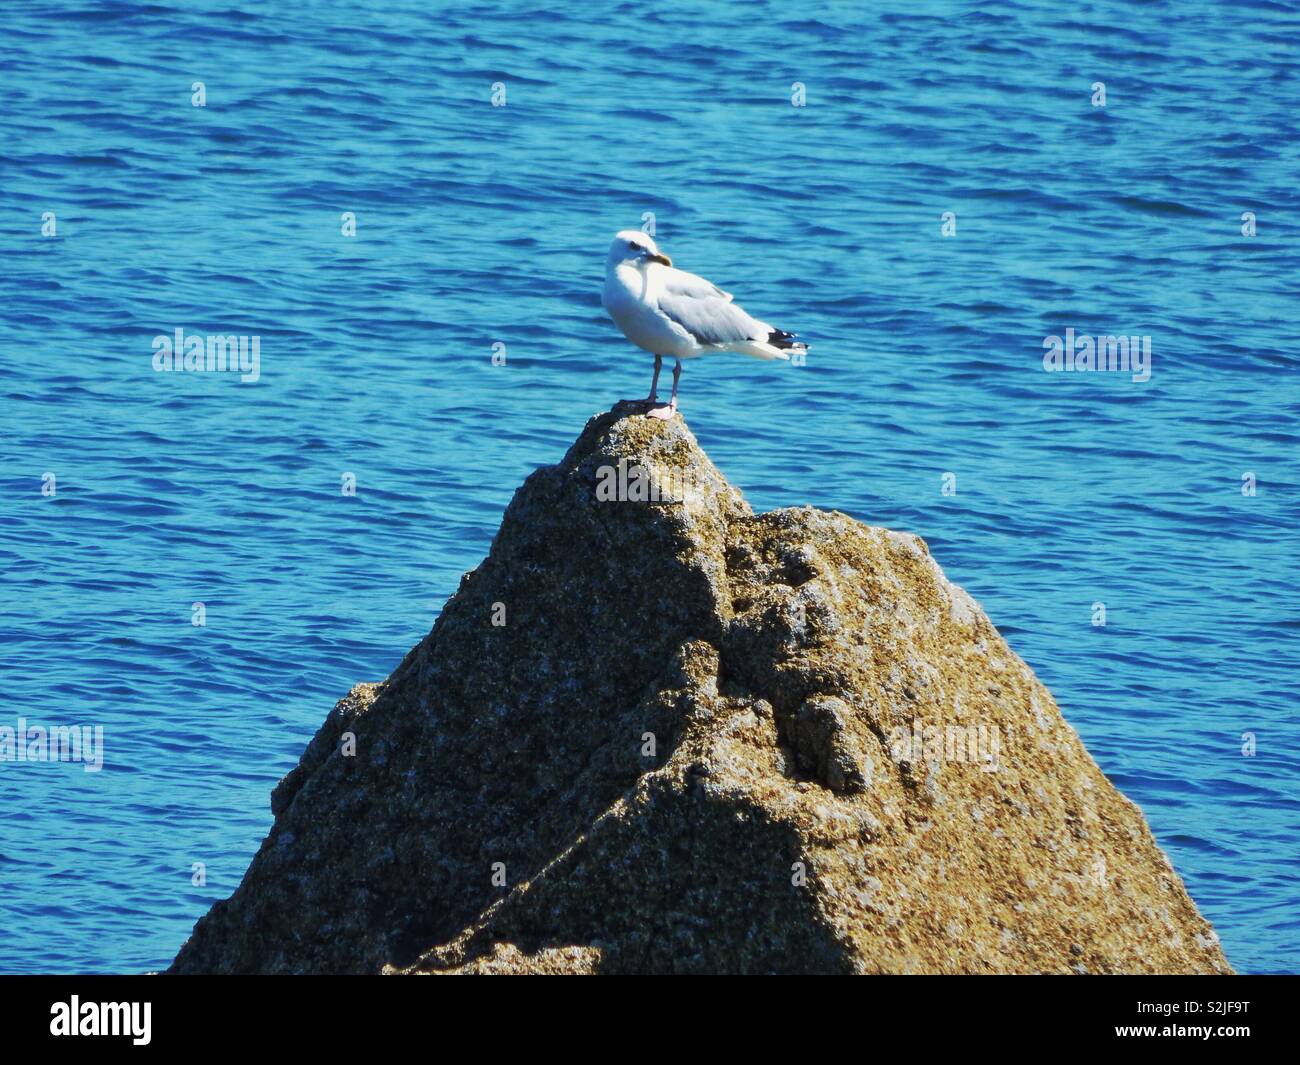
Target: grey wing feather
(684, 283)
(711, 318)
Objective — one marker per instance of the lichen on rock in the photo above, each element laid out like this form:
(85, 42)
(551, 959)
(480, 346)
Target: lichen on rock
(656, 732)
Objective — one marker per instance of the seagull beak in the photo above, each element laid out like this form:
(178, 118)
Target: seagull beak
(657, 258)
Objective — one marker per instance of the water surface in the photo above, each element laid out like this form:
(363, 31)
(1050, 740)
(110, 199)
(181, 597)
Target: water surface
(479, 225)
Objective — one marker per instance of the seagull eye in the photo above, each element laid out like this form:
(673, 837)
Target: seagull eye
(634, 245)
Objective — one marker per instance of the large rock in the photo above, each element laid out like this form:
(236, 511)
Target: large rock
(670, 735)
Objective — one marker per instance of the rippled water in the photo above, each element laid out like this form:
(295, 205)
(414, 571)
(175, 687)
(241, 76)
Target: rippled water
(478, 225)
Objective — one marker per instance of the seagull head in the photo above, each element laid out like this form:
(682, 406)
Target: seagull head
(634, 247)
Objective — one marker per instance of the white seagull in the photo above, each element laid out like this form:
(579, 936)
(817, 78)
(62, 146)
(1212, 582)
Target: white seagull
(667, 311)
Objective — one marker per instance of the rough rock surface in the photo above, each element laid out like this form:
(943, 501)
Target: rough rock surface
(676, 736)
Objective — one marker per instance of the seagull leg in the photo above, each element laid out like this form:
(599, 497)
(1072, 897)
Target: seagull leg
(654, 381)
(670, 411)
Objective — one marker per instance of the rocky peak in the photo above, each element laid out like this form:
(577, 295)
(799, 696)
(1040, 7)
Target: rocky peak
(656, 732)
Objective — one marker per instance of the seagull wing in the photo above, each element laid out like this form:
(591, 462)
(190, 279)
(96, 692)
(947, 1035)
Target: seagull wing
(706, 312)
(682, 283)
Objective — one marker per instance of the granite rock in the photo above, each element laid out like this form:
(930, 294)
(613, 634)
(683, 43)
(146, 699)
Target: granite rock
(660, 733)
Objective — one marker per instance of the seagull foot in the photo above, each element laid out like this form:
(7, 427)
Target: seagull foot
(666, 412)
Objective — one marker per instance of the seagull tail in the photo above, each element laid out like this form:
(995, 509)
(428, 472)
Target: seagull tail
(777, 345)
(785, 342)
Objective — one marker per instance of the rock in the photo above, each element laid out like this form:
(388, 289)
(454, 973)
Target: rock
(660, 733)
(826, 744)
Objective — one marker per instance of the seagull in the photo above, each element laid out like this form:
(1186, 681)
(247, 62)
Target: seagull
(667, 311)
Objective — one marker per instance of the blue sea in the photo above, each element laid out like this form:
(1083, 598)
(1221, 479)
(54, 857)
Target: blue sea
(388, 195)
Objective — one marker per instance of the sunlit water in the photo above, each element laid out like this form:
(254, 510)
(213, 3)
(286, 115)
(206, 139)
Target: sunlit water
(478, 225)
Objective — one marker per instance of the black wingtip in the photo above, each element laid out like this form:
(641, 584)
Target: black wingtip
(779, 338)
